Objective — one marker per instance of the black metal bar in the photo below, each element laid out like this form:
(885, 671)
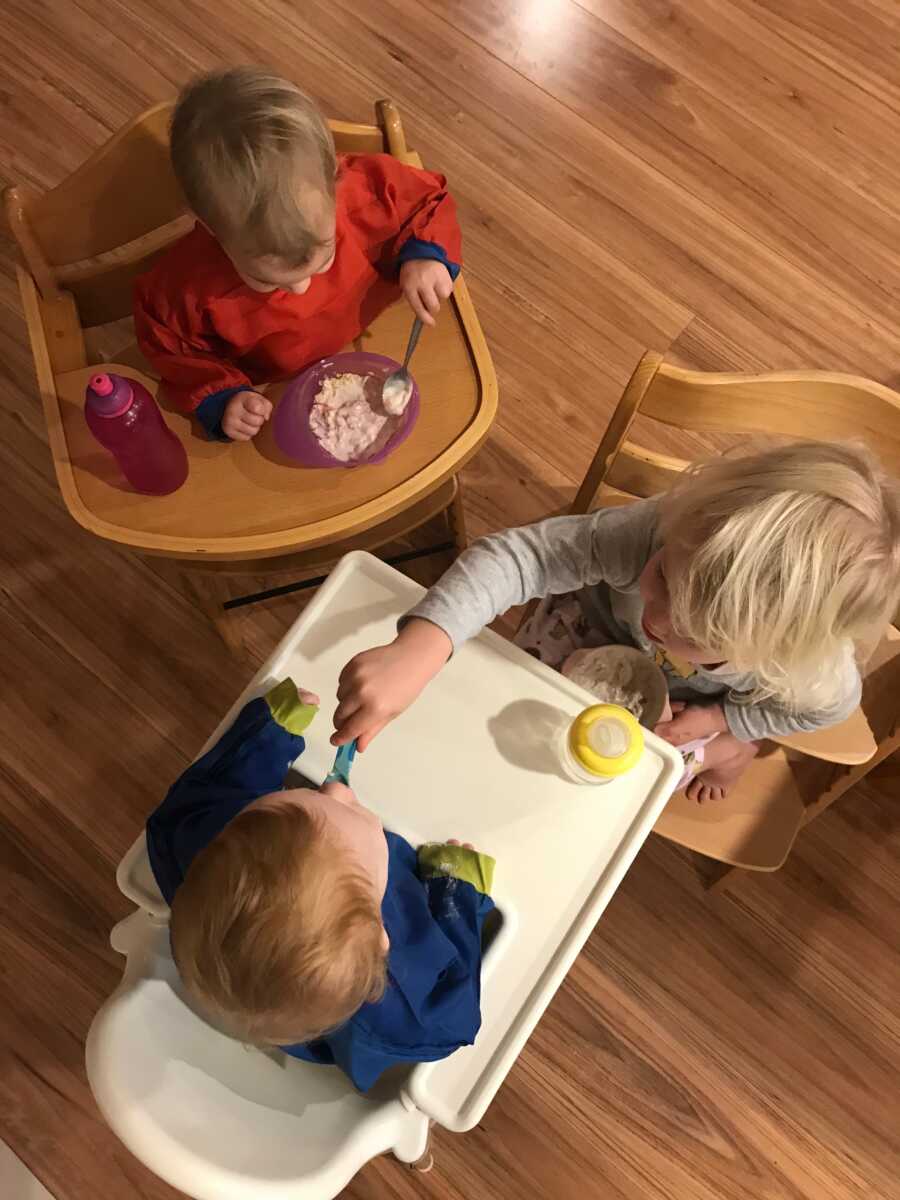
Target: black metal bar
(287, 588)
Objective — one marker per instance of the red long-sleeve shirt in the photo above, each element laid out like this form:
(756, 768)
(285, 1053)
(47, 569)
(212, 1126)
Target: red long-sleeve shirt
(209, 334)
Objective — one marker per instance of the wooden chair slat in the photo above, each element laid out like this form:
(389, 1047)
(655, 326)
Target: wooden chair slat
(643, 472)
(790, 403)
(849, 743)
(127, 191)
(357, 139)
(123, 191)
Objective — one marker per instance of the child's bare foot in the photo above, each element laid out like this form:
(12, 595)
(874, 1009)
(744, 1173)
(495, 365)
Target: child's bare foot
(713, 785)
(465, 845)
(725, 761)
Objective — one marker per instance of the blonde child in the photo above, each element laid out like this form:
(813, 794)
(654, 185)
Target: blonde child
(749, 582)
(296, 249)
(297, 920)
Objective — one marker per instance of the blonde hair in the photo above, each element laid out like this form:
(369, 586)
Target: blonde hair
(275, 935)
(789, 557)
(248, 148)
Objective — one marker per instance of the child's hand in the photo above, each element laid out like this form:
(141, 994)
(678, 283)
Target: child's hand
(425, 283)
(692, 721)
(379, 684)
(244, 415)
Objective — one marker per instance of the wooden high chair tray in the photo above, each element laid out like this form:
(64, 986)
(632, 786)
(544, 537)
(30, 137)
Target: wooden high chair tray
(475, 758)
(248, 500)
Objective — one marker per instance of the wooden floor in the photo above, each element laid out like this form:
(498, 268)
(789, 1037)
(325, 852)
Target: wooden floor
(717, 179)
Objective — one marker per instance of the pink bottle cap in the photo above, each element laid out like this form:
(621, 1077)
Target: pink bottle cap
(101, 385)
(108, 395)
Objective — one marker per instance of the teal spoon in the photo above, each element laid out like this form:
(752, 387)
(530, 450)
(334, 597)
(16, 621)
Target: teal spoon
(340, 772)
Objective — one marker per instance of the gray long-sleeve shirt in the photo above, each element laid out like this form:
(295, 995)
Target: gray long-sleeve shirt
(601, 556)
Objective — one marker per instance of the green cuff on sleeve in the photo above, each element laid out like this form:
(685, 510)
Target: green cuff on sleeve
(287, 709)
(439, 858)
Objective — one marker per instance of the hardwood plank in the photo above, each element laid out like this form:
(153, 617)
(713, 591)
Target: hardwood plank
(807, 110)
(697, 154)
(853, 40)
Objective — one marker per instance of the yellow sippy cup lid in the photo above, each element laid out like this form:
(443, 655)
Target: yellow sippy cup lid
(608, 755)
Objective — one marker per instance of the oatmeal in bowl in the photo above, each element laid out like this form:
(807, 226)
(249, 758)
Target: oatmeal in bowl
(332, 414)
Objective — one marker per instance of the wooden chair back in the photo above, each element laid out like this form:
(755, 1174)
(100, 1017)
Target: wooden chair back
(106, 223)
(798, 404)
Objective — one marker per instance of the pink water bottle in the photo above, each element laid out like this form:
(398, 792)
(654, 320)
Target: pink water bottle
(125, 419)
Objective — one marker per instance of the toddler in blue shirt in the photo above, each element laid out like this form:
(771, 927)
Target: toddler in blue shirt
(298, 921)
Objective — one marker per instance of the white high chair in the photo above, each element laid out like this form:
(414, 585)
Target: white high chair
(216, 1119)
(223, 1122)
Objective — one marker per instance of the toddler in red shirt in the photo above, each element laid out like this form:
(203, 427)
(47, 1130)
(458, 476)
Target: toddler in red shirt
(296, 249)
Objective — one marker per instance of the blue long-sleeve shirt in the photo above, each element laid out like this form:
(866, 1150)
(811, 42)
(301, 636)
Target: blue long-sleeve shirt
(433, 910)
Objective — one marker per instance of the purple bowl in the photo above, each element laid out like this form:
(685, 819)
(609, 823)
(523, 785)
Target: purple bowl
(291, 421)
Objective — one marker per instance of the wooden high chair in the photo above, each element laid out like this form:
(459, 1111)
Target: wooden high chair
(795, 778)
(82, 244)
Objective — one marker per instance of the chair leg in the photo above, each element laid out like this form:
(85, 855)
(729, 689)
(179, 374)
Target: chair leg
(211, 591)
(425, 1163)
(716, 881)
(712, 875)
(456, 520)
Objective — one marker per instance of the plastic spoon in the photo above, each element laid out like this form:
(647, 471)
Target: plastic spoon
(340, 772)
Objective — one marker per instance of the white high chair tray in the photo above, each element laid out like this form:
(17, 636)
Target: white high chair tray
(476, 758)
